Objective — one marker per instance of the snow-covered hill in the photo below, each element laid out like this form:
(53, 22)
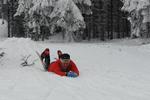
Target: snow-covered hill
(108, 71)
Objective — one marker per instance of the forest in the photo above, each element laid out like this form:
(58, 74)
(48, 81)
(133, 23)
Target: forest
(77, 20)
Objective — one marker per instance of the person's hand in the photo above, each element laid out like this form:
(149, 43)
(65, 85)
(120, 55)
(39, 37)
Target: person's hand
(72, 74)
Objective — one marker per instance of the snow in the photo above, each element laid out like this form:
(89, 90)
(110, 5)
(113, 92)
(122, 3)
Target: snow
(3, 29)
(130, 5)
(87, 2)
(115, 70)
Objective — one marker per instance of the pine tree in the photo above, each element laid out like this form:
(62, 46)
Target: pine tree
(107, 20)
(139, 16)
(52, 13)
(15, 26)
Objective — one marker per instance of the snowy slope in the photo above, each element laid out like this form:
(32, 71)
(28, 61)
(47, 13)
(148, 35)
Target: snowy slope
(108, 71)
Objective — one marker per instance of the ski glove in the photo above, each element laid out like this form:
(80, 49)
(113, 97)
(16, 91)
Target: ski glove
(71, 74)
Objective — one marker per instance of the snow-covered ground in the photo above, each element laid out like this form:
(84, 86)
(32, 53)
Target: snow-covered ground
(115, 70)
(108, 71)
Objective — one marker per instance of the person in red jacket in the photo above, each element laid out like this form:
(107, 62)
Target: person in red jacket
(64, 66)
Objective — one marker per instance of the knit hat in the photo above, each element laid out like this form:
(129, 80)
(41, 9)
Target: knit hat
(65, 56)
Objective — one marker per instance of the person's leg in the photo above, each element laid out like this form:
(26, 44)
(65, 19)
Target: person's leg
(45, 56)
(59, 53)
(47, 62)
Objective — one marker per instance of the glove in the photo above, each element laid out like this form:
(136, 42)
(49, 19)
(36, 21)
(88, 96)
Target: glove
(72, 74)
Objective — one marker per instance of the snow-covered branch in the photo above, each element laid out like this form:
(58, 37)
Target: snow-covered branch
(139, 14)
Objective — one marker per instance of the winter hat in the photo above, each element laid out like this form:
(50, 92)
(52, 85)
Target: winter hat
(65, 56)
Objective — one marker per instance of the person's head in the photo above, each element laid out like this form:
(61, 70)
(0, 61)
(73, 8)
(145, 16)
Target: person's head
(65, 60)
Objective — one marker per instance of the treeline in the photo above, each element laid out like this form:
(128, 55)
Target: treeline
(107, 21)
(15, 24)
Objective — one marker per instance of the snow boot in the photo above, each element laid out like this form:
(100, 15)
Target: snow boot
(59, 53)
(45, 57)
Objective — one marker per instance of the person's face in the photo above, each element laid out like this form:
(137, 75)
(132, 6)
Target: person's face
(65, 62)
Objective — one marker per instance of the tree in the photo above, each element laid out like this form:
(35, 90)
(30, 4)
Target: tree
(107, 21)
(15, 25)
(51, 13)
(139, 16)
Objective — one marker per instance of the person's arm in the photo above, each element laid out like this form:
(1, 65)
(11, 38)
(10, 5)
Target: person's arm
(74, 68)
(55, 68)
(59, 72)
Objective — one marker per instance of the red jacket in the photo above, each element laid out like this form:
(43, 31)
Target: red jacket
(56, 68)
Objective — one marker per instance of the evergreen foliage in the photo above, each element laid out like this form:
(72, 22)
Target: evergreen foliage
(139, 17)
(52, 14)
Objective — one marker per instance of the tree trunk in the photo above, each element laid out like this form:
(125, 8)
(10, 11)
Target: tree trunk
(8, 19)
(111, 35)
(118, 21)
(108, 28)
(90, 29)
(69, 36)
(127, 29)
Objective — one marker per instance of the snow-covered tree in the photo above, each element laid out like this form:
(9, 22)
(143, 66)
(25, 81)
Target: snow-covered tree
(139, 15)
(51, 13)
